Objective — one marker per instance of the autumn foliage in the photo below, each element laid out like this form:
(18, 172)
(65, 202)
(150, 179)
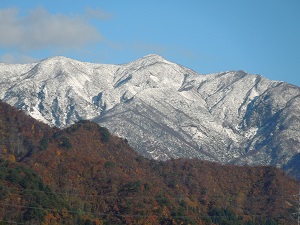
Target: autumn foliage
(84, 175)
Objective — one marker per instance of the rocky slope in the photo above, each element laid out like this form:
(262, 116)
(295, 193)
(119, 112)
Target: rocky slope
(163, 109)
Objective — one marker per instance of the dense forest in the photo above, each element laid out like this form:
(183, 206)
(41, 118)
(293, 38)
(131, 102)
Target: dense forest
(84, 175)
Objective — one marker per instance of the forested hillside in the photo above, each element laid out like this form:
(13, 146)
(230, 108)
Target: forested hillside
(84, 175)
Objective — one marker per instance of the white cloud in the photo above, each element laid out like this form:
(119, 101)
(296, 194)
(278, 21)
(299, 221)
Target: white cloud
(41, 29)
(16, 58)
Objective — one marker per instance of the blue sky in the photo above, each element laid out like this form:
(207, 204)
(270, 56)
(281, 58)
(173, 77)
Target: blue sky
(260, 37)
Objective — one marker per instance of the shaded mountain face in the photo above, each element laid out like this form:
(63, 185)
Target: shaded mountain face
(84, 175)
(163, 109)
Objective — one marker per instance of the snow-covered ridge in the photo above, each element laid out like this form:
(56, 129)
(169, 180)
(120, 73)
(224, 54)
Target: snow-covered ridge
(165, 110)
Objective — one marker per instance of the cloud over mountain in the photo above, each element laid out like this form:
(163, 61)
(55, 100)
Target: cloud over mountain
(40, 29)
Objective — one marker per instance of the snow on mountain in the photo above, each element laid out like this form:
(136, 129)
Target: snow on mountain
(164, 110)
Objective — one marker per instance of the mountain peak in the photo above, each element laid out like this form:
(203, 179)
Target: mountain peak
(56, 59)
(152, 58)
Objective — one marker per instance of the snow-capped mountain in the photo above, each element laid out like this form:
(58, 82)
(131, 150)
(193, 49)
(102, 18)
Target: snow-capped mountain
(163, 109)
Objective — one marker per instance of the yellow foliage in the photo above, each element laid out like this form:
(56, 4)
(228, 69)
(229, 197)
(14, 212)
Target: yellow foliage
(190, 202)
(240, 198)
(4, 150)
(11, 158)
(165, 211)
(64, 213)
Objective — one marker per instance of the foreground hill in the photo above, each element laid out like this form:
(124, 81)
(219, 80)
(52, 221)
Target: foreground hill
(165, 110)
(84, 175)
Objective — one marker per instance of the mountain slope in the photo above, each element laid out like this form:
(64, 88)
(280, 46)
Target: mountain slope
(85, 175)
(163, 109)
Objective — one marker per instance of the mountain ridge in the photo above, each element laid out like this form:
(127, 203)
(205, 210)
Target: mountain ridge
(163, 109)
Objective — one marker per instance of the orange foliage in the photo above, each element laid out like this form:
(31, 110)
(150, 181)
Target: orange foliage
(58, 153)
